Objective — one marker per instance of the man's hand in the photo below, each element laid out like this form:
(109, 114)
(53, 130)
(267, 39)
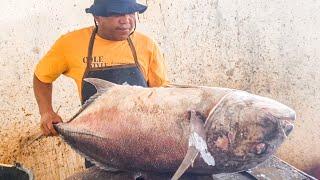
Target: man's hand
(43, 94)
(47, 121)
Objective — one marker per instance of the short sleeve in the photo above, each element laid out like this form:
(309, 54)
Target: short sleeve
(157, 75)
(53, 64)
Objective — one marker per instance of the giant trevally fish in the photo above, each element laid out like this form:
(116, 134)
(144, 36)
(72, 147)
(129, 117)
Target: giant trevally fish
(197, 130)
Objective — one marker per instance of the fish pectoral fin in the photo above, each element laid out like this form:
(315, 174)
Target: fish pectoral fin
(197, 144)
(188, 160)
(198, 137)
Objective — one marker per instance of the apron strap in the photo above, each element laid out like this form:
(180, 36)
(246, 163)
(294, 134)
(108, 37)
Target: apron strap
(90, 51)
(134, 53)
(89, 56)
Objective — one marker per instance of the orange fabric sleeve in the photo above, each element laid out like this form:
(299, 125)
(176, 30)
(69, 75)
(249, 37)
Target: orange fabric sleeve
(53, 64)
(157, 75)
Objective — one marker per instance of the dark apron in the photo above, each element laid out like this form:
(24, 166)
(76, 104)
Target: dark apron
(130, 74)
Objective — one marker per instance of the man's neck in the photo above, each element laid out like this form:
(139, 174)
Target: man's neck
(108, 37)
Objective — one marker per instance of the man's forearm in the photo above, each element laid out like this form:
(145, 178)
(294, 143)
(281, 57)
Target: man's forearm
(43, 94)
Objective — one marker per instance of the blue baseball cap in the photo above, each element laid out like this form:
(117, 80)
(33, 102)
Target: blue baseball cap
(110, 7)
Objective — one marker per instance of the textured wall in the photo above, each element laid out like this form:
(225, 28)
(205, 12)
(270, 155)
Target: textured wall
(270, 48)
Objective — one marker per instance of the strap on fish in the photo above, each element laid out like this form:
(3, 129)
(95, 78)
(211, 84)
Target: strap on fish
(197, 140)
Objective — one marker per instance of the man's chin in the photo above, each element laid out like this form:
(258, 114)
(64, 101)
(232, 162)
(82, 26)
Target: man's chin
(122, 37)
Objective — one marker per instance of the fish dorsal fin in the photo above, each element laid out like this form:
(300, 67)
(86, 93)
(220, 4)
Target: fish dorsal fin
(101, 86)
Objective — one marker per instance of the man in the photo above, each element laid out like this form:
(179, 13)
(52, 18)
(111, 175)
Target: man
(111, 50)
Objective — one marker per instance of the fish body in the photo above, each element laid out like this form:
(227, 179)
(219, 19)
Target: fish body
(135, 129)
(100, 174)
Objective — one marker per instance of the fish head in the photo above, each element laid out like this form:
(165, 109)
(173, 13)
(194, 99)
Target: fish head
(246, 129)
(275, 122)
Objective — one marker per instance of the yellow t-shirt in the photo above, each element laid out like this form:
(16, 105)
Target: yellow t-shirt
(68, 56)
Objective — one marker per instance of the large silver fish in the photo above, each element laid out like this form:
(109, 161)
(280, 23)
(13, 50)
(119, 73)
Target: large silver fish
(199, 130)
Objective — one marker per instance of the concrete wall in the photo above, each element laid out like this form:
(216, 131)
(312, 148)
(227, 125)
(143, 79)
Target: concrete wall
(270, 48)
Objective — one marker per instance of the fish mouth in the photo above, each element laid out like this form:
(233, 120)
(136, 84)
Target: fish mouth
(286, 122)
(287, 127)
